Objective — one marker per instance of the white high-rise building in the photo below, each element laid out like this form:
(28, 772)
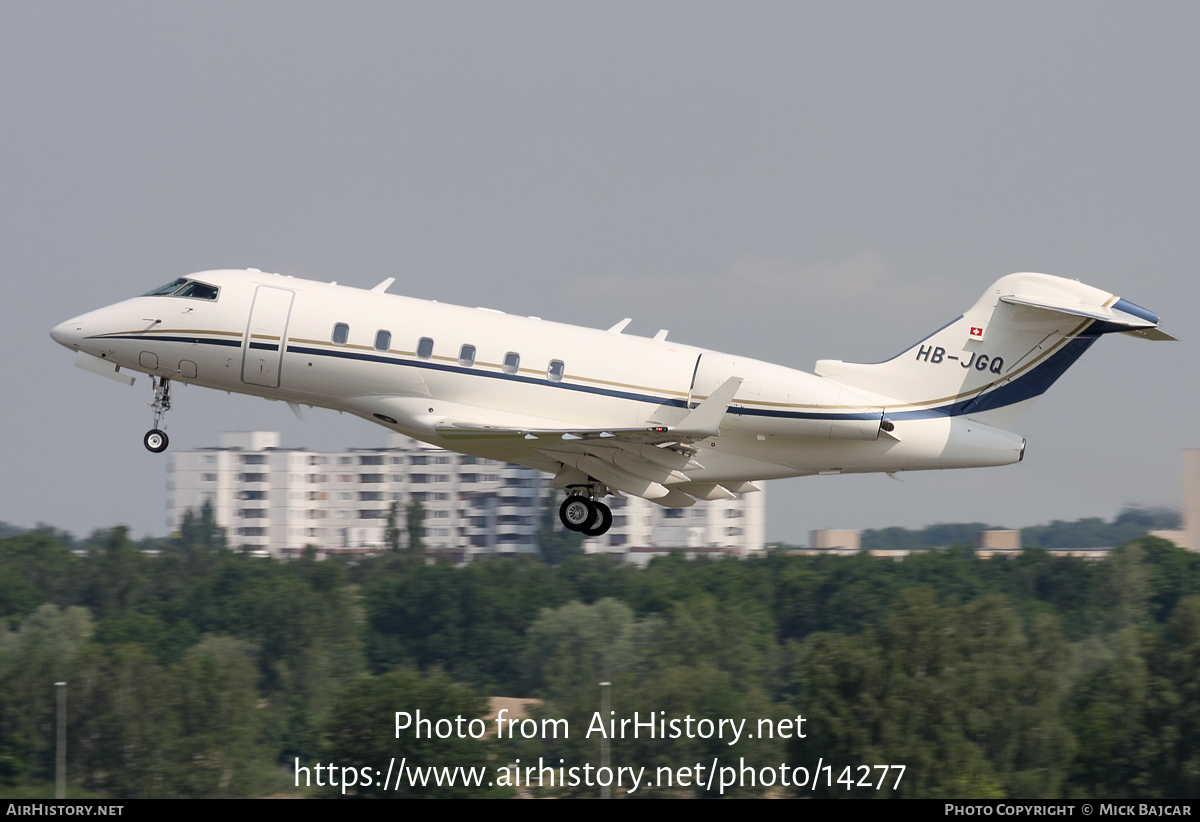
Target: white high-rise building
(281, 500)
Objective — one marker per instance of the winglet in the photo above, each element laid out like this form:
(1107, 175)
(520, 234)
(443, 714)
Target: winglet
(619, 327)
(705, 418)
(384, 286)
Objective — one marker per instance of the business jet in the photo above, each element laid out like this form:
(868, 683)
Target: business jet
(606, 412)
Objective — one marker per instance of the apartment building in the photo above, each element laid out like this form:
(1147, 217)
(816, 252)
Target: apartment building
(281, 499)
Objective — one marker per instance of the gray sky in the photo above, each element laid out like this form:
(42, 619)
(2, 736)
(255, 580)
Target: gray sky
(783, 180)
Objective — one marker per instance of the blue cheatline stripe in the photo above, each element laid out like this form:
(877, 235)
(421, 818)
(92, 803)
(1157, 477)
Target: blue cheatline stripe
(1033, 384)
(458, 369)
(1026, 387)
(161, 338)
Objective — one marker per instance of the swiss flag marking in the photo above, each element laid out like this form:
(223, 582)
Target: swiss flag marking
(976, 331)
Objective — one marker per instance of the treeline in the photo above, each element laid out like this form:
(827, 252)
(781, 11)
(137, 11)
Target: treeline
(202, 671)
(1091, 532)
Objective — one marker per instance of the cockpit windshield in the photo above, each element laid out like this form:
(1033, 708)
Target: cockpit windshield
(184, 287)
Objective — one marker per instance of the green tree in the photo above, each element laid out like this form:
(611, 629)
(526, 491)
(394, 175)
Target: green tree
(414, 524)
(392, 533)
(555, 542)
(216, 705)
(362, 735)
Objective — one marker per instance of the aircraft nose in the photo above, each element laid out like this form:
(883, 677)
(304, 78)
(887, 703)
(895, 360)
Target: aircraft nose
(67, 334)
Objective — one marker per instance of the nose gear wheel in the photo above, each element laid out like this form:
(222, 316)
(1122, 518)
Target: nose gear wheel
(156, 439)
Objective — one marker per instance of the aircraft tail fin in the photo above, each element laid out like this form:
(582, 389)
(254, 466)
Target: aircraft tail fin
(1001, 355)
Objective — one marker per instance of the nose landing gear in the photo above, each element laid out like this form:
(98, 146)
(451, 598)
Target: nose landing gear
(586, 515)
(156, 439)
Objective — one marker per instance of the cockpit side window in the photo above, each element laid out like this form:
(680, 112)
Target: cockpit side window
(198, 291)
(185, 288)
(169, 288)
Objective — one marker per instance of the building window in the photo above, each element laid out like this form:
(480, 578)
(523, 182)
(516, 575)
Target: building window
(254, 459)
(208, 477)
(341, 333)
(370, 477)
(370, 460)
(252, 477)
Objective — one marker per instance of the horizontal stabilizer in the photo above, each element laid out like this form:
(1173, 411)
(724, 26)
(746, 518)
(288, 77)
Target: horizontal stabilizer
(1094, 312)
(1151, 334)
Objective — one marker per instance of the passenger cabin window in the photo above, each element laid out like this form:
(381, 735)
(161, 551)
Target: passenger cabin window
(512, 362)
(425, 348)
(184, 287)
(554, 372)
(341, 333)
(383, 340)
(466, 356)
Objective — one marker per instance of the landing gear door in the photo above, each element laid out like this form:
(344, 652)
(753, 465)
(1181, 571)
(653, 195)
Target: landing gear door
(266, 335)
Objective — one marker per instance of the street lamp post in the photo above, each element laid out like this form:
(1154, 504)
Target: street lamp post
(60, 759)
(605, 713)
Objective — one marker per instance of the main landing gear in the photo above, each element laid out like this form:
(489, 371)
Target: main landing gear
(587, 516)
(156, 439)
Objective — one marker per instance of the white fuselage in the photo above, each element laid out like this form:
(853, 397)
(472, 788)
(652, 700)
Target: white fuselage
(277, 337)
